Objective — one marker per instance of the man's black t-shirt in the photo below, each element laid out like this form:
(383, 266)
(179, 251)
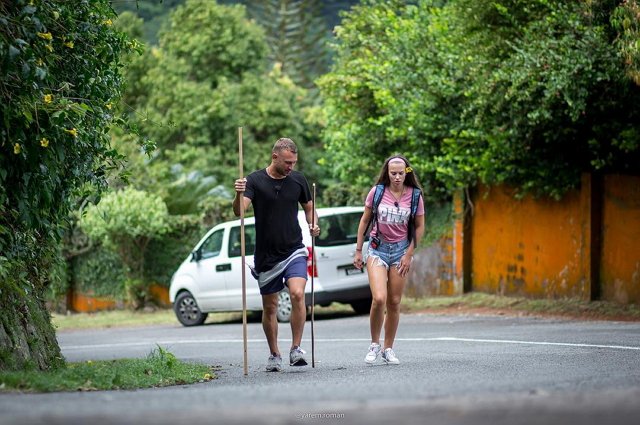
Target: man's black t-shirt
(275, 206)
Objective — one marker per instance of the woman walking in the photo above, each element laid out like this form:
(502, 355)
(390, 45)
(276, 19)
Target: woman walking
(394, 213)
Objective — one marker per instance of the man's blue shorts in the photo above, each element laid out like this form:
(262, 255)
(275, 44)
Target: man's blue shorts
(296, 268)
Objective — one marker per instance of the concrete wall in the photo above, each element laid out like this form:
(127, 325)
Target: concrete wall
(620, 253)
(585, 246)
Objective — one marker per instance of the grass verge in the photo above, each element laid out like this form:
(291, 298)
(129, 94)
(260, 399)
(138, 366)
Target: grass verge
(120, 318)
(160, 369)
(486, 303)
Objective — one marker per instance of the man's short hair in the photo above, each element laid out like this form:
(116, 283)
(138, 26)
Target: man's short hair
(284, 144)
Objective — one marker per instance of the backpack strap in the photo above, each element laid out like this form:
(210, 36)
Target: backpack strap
(377, 197)
(415, 198)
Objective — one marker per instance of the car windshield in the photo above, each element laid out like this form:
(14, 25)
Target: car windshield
(212, 246)
(341, 229)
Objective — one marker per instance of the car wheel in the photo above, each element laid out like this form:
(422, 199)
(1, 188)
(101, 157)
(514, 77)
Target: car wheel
(361, 306)
(187, 310)
(283, 312)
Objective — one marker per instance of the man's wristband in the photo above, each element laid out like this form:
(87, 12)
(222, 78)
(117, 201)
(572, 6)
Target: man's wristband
(358, 249)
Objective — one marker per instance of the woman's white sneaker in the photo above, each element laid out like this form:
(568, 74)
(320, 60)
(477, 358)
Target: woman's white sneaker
(373, 354)
(389, 356)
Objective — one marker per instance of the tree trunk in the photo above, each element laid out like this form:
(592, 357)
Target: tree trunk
(27, 337)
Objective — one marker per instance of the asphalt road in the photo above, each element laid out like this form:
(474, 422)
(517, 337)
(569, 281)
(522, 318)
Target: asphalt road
(454, 370)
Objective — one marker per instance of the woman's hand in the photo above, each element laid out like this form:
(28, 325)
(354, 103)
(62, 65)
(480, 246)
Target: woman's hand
(357, 260)
(404, 265)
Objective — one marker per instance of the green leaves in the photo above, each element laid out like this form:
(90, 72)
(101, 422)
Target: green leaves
(190, 95)
(126, 221)
(128, 213)
(60, 70)
(527, 93)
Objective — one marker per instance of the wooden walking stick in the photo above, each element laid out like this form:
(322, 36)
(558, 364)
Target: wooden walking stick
(242, 254)
(313, 270)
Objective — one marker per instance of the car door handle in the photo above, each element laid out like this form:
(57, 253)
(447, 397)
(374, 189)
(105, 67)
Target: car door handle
(223, 267)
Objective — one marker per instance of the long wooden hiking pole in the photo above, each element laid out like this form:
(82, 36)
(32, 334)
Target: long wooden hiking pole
(313, 270)
(242, 254)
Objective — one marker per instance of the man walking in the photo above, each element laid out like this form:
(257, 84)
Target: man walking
(280, 256)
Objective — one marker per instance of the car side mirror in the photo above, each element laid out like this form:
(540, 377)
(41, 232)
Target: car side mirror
(196, 255)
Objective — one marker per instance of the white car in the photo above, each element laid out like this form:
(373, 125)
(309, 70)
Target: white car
(210, 279)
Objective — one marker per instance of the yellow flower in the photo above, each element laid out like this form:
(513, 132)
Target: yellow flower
(108, 22)
(39, 62)
(108, 105)
(73, 132)
(48, 98)
(408, 170)
(207, 376)
(69, 44)
(49, 47)
(45, 35)
(44, 142)
(17, 148)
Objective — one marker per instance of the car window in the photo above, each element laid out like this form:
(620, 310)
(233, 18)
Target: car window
(340, 229)
(249, 240)
(213, 245)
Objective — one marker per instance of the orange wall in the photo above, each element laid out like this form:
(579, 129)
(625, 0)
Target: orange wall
(81, 303)
(530, 247)
(620, 264)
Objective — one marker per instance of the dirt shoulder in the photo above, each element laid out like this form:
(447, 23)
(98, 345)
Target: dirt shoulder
(485, 304)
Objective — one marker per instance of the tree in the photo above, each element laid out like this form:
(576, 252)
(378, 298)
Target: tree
(526, 93)
(551, 98)
(208, 77)
(59, 81)
(126, 221)
(393, 88)
(297, 36)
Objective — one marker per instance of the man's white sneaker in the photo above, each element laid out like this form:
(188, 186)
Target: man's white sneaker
(389, 356)
(373, 354)
(296, 357)
(274, 364)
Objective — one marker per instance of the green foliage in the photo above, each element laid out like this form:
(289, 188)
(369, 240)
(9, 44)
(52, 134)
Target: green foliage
(439, 219)
(555, 104)
(626, 21)
(165, 254)
(216, 210)
(99, 272)
(127, 214)
(153, 12)
(206, 79)
(383, 95)
(526, 93)
(297, 36)
(59, 80)
(186, 191)
(189, 95)
(60, 76)
(126, 221)
(213, 42)
(160, 368)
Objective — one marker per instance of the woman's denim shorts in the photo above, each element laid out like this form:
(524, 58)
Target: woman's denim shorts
(388, 254)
